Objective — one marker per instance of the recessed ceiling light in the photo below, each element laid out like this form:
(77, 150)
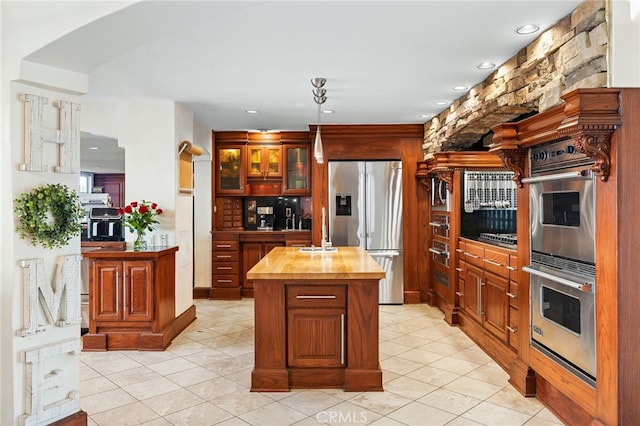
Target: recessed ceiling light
(94, 147)
(425, 116)
(528, 29)
(485, 65)
(442, 103)
(461, 88)
(327, 111)
(251, 111)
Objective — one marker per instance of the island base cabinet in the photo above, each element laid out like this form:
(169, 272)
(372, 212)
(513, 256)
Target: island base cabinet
(316, 335)
(131, 300)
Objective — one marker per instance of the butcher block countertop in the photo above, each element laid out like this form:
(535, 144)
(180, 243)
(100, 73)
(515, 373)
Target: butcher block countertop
(290, 263)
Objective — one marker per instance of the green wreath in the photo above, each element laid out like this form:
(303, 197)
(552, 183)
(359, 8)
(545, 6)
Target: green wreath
(49, 215)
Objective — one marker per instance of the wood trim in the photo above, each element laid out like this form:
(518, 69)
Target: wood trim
(201, 292)
(79, 418)
(182, 321)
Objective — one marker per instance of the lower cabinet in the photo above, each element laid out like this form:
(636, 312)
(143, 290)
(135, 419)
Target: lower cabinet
(484, 275)
(316, 321)
(132, 300)
(123, 291)
(252, 253)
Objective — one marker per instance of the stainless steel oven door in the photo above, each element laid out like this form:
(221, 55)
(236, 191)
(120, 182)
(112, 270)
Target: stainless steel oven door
(562, 208)
(563, 319)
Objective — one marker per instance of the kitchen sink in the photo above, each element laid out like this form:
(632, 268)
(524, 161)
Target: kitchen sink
(318, 249)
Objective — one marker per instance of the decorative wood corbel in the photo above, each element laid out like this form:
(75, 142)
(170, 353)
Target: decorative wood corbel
(514, 159)
(592, 115)
(422, 175)
(594, 141)
(447, 176)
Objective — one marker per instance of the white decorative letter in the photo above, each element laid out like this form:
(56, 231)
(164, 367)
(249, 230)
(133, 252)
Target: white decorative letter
(35, 134)
(66, 280)
(39, 379)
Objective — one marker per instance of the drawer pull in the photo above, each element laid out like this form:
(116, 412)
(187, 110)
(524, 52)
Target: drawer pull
(471, 255)
(491, 262)
(459, 269)
(223, 245)
(513, 330)
(511, 295)
(226, 268)
(316, 297)
(511, 268)
(459, 294)
(460, 250)
(223, 257)
(223, 281)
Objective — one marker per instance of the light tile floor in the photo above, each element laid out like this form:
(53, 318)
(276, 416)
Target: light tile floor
(433, 375)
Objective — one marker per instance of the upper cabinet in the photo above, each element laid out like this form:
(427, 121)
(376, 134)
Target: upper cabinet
(230, 169)
(262, 163)
(296, 178)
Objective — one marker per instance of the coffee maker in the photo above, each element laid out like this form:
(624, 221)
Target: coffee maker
(259, 214)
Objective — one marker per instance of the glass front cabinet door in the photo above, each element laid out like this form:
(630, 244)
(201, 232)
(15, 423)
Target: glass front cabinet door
(296, 179)
(230, 169)
(264, 162)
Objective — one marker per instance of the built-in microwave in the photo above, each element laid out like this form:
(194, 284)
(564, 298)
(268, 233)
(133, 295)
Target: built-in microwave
(439, 194)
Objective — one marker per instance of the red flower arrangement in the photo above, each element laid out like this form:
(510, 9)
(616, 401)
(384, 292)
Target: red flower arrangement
(141, 216)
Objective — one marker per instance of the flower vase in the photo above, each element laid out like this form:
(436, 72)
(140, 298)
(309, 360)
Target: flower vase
(140, 243)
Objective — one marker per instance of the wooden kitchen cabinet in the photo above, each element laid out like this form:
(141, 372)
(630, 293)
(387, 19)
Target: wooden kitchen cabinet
(230, 170)
(123, 291)
(225, 266)
(112, 184)
(486, 284)
(264, 162)
(296, 177)
(316, 320)
(252, 253)
(132, 300)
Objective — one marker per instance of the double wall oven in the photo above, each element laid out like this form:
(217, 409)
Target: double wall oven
(562, 269)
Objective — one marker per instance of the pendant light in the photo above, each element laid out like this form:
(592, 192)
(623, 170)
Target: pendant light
(319, 98)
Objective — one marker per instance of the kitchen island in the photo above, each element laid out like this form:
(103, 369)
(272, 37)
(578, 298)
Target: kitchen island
(316, 320)
(132, 299)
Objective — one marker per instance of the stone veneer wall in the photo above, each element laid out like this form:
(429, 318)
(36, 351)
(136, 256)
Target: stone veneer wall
(570, 55)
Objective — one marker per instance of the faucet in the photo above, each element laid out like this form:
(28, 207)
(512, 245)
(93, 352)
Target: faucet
(293, 223)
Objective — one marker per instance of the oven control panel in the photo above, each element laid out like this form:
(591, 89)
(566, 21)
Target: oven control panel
(561, 154)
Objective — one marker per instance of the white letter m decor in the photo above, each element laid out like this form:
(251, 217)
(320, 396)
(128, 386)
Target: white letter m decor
(62, 312)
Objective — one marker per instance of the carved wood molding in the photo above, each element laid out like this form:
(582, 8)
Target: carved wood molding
(447, 176)
(594, 141)
(514, 159)
(422, 175)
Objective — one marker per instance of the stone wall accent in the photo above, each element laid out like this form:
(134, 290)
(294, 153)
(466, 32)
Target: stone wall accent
(572, 54)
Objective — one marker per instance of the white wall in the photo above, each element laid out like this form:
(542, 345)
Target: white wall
(624, 49)
(202, 207)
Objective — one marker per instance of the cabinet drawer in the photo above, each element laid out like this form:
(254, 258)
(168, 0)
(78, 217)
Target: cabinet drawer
(474, 255)
(225, 281)
(225, 268)
(496, 262)
(225, 256)
(513, 267)
(513, 294)
(316, 296)
(513, 328)
(226, 245)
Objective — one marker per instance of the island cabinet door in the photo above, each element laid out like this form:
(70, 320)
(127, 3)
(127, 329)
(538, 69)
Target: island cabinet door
(316, 330)
(139, 288)
(316, 337)
(105, 294)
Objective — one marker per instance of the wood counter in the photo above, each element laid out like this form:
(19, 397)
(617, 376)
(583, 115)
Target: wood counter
(316, 320)
(131, 299)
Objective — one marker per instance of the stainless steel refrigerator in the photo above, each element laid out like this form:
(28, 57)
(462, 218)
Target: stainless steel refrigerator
(365, 210)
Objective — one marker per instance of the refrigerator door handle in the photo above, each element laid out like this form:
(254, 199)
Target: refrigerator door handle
(371, 202)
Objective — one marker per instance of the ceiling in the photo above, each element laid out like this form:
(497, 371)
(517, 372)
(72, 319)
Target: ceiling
(384, 61)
